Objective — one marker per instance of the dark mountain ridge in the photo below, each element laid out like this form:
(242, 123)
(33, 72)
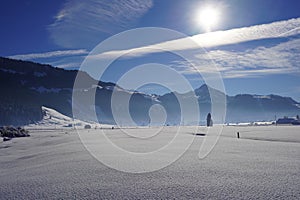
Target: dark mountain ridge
(26, 87)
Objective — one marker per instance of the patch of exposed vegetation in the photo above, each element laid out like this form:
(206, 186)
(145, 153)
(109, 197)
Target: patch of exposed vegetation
(12, 132)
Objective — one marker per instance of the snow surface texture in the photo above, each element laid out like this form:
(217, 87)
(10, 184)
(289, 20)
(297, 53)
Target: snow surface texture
(263, 164)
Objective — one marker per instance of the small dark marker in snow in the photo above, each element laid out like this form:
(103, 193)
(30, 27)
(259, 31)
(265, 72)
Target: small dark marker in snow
(6, 139)
(238, 134)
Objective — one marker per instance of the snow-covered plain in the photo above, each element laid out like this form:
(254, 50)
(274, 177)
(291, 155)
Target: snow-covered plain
(53, 164)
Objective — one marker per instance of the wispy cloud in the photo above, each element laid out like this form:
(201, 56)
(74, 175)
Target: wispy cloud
(81, 23)
(275, 50)
(259, 61)
(215, 39)
(258, 32)
(33, 56)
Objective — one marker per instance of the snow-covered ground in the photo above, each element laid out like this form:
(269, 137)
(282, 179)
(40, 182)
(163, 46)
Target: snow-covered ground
(53, 164)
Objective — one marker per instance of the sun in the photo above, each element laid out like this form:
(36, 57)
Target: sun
(208, 17)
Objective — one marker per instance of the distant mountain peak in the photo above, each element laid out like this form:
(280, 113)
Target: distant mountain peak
(28, 86)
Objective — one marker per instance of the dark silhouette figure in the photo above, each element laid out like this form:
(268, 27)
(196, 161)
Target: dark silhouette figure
(209, 120)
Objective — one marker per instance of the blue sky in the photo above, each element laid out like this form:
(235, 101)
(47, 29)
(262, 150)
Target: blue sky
(255, 44)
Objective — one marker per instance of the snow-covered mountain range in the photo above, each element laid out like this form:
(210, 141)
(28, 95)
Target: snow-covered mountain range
(27, 86)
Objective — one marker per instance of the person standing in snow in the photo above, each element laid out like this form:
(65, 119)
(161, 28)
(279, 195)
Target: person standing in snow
(208, 120)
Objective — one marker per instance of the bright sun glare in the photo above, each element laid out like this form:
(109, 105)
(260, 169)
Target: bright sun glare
(208, 18)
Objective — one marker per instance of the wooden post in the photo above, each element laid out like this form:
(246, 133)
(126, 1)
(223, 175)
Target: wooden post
(238, 134)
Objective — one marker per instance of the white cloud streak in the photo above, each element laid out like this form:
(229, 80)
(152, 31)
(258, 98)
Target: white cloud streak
(33, 56)
(277, 56)
(80, 23)
(215, 39)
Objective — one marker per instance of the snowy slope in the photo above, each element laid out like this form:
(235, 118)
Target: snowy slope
(54, 119)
